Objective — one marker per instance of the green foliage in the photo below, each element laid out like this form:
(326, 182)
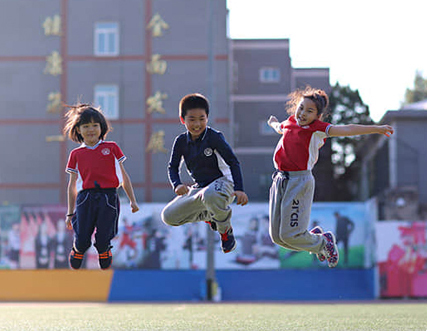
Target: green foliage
(346, 107)
(419, 92)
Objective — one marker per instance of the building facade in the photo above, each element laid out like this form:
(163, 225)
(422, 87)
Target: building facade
(135, 59)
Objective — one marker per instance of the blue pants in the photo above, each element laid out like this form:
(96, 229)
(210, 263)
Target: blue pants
(96, 209)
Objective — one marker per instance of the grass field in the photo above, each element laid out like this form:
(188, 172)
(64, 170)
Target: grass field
(216, 316)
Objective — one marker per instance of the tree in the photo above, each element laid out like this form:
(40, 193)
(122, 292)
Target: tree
(346, 107)
(419, 92)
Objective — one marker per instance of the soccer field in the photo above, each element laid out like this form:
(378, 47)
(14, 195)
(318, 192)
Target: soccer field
(216, 316)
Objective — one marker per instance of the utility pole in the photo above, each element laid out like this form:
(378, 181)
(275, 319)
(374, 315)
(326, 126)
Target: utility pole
(210, 253)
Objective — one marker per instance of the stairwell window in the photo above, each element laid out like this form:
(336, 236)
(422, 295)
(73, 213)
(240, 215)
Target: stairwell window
(269, 75)
(106, 39)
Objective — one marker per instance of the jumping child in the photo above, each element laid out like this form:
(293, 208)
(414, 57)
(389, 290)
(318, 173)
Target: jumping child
(96, 171)
(214, 168)
(292, 190)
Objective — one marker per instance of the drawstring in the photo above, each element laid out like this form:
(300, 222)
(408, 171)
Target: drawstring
(285, 176)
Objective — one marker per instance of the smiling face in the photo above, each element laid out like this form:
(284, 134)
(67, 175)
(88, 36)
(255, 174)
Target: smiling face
(91, 132)
(195, 121)
(306, 113)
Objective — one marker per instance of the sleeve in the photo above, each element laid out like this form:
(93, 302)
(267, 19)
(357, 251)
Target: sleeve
(118, 153)
(72, 164)
(322, 127)
(224, 149)
(174, 163)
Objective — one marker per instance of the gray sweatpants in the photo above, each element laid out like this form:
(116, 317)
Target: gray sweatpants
(291, 197)
(202, 204)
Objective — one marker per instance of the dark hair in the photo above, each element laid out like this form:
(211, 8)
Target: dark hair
(193, 101)
(319, 97)
(84, 113)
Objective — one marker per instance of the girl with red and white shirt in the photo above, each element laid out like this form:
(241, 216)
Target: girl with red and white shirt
(292, 190)
(96, 172)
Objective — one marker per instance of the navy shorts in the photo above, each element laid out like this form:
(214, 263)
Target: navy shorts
(97, 210)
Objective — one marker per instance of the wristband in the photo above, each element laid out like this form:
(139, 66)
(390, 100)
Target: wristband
(69, 215)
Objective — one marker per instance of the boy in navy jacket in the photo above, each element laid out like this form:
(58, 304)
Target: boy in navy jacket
(214, 168)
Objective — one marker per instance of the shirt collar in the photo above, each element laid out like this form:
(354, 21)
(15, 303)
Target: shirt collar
(94, 146)
(202, 137)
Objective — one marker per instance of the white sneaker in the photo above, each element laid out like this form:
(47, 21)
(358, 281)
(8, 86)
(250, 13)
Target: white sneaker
(330, 250)
(318, 230)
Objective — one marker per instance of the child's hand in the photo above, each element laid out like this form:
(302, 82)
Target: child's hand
(275, 124)
(385, 130)
(134, 206)
(181, 189)
(271, 120)
(68, 222)
(242, 198)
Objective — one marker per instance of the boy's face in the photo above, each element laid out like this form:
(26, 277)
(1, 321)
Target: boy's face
(195, 121)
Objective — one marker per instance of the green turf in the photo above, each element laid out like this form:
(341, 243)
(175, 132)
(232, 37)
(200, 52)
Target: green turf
(219, 316)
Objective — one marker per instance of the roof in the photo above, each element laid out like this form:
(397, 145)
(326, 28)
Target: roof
(420, 105)
(404, 115)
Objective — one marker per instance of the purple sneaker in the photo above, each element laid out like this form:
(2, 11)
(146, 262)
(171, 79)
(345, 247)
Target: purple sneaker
(331, 249)
(319, 230)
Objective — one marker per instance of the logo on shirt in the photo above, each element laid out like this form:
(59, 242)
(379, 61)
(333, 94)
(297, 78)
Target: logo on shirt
(208, 151)
(105, 151)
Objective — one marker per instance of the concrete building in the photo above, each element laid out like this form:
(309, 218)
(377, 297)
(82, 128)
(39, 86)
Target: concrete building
(135, 59)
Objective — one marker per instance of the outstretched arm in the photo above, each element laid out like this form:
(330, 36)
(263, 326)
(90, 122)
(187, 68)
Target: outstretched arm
(359, 129)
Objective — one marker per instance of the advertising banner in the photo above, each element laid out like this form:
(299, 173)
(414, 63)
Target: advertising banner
(402, 258)
(35, 237)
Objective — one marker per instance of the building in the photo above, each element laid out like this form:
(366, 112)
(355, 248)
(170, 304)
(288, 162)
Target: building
(392, 169)
(262, 77)
(135, 59)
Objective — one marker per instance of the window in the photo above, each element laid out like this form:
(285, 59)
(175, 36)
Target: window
(106, 39)
(107, 97)
(269, 75)
(265, 129)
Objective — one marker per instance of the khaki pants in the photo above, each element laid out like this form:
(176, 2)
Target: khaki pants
(210, 203)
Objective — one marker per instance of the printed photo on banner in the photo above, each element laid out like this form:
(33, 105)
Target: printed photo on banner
(402, 258)
(10, 237)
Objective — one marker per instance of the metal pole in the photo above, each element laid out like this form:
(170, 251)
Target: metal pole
(210, 253)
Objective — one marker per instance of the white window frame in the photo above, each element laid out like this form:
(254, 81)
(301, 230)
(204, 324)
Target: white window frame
(269, 75)
(107, 97)
(110, 32)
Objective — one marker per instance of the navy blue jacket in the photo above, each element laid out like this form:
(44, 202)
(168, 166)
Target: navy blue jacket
(207, 159)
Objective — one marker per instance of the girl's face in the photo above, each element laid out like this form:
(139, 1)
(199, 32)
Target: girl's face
(195, 121)
(90, 133)
(306, 112)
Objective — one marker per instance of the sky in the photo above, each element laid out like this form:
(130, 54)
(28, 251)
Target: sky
(374, 46)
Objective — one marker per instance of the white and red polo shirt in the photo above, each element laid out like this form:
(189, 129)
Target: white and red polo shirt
(99, 163)
(298, 149)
